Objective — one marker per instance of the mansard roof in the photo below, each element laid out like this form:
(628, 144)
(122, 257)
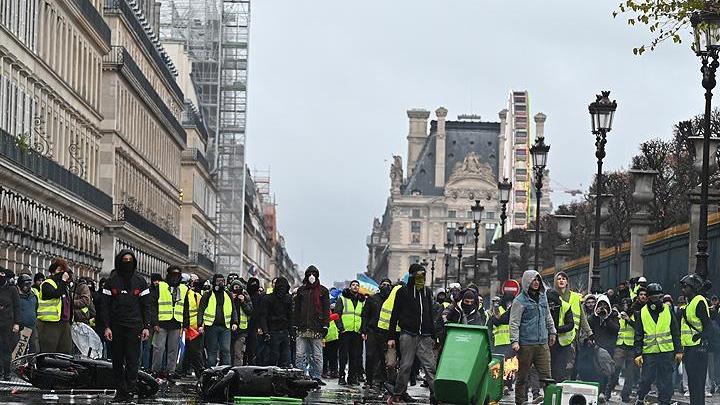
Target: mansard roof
(462, 137)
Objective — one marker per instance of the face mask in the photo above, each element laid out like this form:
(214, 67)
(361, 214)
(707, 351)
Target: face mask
(419, 281)
(467, 308)
(385, 290)
(126, 267)
(25, 289)
(219, 286)
(311, 279)
(174, 280)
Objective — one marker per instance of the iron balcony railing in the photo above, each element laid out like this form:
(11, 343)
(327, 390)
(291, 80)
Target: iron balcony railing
(119, 56)
(50, 171)
(191, 118)
(202, 261)
(93, 16)
(196, 154)
(123, 213)
(121, 6)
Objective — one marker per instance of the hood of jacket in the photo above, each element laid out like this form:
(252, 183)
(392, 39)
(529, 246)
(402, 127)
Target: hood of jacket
(602, 298)
(118, 258)
(528, 277)
(282, 286)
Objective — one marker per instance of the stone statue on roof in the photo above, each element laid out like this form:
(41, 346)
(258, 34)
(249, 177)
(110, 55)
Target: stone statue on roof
(396, 174)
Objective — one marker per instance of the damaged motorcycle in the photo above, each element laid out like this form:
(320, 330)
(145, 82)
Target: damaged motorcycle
(224, 383)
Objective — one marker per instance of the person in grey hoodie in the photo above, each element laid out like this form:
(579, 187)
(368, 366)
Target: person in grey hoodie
(532, 332)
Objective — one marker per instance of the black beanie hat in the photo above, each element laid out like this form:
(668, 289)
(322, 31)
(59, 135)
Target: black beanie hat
(155, 277)
(415, 267)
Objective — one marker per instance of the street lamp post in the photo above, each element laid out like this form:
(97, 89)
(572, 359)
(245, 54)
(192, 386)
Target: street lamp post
(448, 252)
(460, 239)
(504, 187)
(602, 111)
(706, 46)
(477, 211)
(433, 256)
(539, 152)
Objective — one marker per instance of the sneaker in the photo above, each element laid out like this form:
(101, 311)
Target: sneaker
(686, 394)
(320, 382)
(341, 381)
(538, 399)
(708, 394)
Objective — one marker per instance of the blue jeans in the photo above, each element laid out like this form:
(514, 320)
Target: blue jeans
(309, 350)
(217, 338)
(279, 349)
(145, 354)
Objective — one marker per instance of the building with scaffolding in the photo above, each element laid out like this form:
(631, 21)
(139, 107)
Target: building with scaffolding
(215, 34)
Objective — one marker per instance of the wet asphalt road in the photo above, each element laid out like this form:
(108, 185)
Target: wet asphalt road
(183, 393)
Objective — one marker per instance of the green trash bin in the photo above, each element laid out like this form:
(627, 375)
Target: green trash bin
(462, 375)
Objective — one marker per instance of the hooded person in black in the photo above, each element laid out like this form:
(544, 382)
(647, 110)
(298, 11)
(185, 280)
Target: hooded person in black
(375, 338)
(255, 349)
(413, 313)
(9, 320)
(467, 311)
(276, 320)
(126, 317)
(350, 306)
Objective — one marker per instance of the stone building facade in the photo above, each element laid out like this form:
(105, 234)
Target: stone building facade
(449, 166)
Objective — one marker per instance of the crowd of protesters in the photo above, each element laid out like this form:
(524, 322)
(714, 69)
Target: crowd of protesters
(177, 324)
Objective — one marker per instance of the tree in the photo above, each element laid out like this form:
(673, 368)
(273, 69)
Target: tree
(664, 18)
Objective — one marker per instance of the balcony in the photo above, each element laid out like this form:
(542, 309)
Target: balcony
(92, 15)
(120, 57)
(202, 261)
(123, 213)
(121, 7)
(50, 171)
(191, 118)
(196, 155)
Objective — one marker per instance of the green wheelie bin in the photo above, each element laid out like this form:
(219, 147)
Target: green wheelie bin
(463, 375)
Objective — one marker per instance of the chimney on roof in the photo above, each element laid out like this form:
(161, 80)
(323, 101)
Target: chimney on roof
(540, 125)
(417, 136)
(441, 114)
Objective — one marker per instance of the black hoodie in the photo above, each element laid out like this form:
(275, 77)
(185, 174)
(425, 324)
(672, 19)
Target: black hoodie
(127, 298)
(371, 312)
(412, 311)
(276, 314)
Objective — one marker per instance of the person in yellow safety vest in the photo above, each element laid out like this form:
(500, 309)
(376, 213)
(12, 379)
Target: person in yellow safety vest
(694, 320)
(167, 314)
(657, 344)
(500, 323)
(391, 355)
(562, 286)
(376, 338)
(331, 347)
(561, 353)
(55, 310)
(37, 281)
(244, 309)
(216, 318)
(194, 341)
(624, 355)
(83, 307)
(349, 306)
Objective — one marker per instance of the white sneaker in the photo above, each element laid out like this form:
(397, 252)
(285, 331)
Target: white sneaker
(686, 394)
(708, 394)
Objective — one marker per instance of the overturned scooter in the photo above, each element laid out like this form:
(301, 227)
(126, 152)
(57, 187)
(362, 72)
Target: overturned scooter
(56, 371)
(224, 383)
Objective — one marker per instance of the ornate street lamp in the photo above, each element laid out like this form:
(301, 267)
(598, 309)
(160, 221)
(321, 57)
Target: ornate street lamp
(460, 239)
(505, 187)
(539, 152)
(602, 111)
(448, 248)
(433, 256)
(477, 211)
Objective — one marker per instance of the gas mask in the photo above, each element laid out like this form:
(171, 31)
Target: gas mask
(219, 285)
(655, 302)
(312, 279)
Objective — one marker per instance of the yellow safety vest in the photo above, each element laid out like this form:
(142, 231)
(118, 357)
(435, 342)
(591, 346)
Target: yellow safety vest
(634, 291)
(686, 332)
(242, 319)
(501, 333)
(626, 336)
(566, 338)
(333, 333)
(49, 310)
(658, 336)
(386, 310)
(209, 315)
(351, 316)
(193, 303)
(575, 307)
(167, 309)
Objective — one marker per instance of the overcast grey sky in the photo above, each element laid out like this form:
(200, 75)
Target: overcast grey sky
(330, 82)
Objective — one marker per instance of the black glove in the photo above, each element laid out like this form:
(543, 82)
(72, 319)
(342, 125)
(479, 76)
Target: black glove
(266, 338)
(324, 331)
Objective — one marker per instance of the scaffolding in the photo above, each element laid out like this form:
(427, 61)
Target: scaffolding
(216, 36)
